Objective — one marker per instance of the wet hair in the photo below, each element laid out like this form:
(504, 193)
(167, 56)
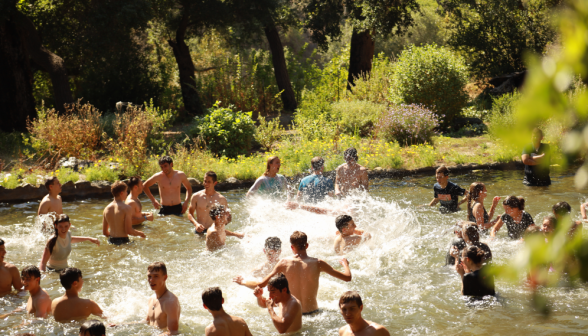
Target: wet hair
(32, 271)
(212, 297)
(56, 220)
(350, 296)
(298, 239)
(537, 132)
(49, 182)
(92, 328)
(279, 282)
(157, 266)
(118, 187)
(317, 163)
(212, 175)
(216, 210)
(476, 189)
(515, 202)
(350, 154)
(342, 221)
(471, 231)
(474, 253)
(443, 170)
(552, 220)
(165, 159)
(273, 243)
(133, 181)
(270, 160)
(561, 208)
(1, 242)
(68, 276)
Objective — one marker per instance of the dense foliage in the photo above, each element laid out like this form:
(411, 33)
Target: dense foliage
(408, 124)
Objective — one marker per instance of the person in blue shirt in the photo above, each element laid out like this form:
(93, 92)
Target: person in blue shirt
(314, 188)
(446, 192)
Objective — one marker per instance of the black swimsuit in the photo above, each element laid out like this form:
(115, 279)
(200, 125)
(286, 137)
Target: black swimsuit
(171, 210)
(472, 218)
(516, 230)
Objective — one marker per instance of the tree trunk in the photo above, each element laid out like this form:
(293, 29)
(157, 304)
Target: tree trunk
(192, 102)
(280, 69)
(46, 60)
(16, 89)
(361, 55)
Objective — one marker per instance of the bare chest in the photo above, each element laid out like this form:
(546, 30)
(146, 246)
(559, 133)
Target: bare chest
(156, 315)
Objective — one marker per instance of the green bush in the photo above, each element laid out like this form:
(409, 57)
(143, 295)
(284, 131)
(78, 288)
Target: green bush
(432, 76)
(268, 132)
(376, 86)
(501, 117)
(357, 117)
(225, 131)
(100, 172)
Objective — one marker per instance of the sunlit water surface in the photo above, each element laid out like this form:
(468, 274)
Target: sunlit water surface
(400, 273)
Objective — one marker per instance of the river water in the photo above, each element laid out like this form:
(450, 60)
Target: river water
(400, 273)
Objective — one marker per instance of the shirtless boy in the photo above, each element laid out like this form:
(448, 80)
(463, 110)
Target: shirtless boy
(351, 307)
(70, 306)
(170, 183)
(222, 324)
(350, 175)
(9, 276)
(289, 316)
(303, 273)
(272, 250)
(164, 307)
(348, 236)
(217, 235)
(52, 201)
(136, 187)
(39, 304)
(118, 216)
(202, 201)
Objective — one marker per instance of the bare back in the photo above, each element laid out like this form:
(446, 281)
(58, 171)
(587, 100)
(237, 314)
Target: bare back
(216, 238)
(303, 279)
(66, 309)
(50, 204)
(116, 214)
(201, 204)
(40, 304)
(169, 187)
(227, 325)
(351, 177)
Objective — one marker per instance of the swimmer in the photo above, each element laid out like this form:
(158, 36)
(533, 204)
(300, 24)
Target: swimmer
(474, 282)
(272, 251)
(222, 324)
(58, 247)
(471, 237)
(202, 201)
(516, 218)
(303, 273)
(289, 316)
(446, 192)
(217, 234)
(136, 187)
(270, 183)
(170, 183)
(351, 175)
(348, 236)
(9, 277)
(457, 244)
(52, 201)
(561, 211)
(39, 303)
(118, 216)
(351, 307)
(476, 211)
(164, 307)
(70, 306)
(549, 224)
(92, 328)
(316, 187)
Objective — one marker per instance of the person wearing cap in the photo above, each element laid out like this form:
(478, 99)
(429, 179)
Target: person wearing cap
(314, 188)
(351, 175)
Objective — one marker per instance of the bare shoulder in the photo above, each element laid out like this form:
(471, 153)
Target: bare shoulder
(210, 330)
(363, 169)
(10, 267)
(345, 330)
(181, 174)
(379, 329)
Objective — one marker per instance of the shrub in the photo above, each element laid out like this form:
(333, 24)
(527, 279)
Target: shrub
(431, 76)
(268, 132)
(357, 117)
(376, 86)
(100, 172)
(227, 132)
(501, 117)
(407, 124)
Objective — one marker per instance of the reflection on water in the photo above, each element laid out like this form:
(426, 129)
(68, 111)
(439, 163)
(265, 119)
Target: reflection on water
(399, 273)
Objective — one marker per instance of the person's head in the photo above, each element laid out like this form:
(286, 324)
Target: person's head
(470, 233)
(513, 204)
(92, 328)
(351, 306)
(61, 226)
(119, 189)
(317, 163)
(218, 212)
(166, 163)
(350, 155)
(537, 136)
(561, 209)
(549, 224)
(31, 277)
(135, 184)
(278, 288)
(345, 224)
(273, 247)
(210, 180)
(532, 231)
(472, 255)
(53, 185)
(71, 278)
(2, 250)
(272, 165)
(442, 174)
(477, 194)
(212, 299)
(298, 240)
(156, 275)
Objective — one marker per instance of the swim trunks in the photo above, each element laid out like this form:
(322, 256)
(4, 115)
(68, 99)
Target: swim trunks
(311, 312)
(171, 210)
(119, 240)
(201, 233)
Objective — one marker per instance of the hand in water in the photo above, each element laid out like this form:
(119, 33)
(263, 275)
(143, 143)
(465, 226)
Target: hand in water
(156, 204)
(149, 216)
(95, 241)
(142, 235)
(344, 262)
(238, 279)
(258, 291)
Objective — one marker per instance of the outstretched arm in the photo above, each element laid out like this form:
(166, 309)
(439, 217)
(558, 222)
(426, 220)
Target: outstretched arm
(345, 275)
(234, 234)
(247, 283)
(434, 202)
(83, 239)
(277, 269)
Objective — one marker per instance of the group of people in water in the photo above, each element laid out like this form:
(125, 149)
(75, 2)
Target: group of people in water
(291, 283)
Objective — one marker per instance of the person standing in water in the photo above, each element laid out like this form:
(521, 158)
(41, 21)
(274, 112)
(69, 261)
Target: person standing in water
(164, 307)
(303, 273)
(136, 187)
(117, 218)
(350, 175)
(9, 276)
(351, 307)
(70, 306)
(348, 236)
(289, 318)
(476, 211)
(58, 247)
(217, 234)
(471, 237)
(202, 201)
(272, 251)
(170, 183)
(52, 201)
(314, 188)
(39, 303)
(270, 183)
(561, 211)
(536, 158)
(446, 192)
(515, 217)
(222, 324)
(474, 283)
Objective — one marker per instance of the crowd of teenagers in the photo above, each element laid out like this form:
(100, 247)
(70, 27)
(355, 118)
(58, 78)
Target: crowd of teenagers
(292, 283)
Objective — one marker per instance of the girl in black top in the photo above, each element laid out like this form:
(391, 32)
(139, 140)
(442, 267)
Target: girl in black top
(516, 219)
(474, 282)
(476, 211)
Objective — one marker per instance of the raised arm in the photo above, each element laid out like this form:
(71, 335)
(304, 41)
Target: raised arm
(151, 181)
(493, 207)
(261, 301)
(83, 239)
(282, 323)
(345, 275)
(188, 187)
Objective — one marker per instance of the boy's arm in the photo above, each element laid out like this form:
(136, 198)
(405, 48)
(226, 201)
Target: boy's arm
(188, 187)
(42, 307)
(261, 301)
(583, 210)
(191, 209)
(43, 207)
(129, 225)
(434, 202)
(151, 181)
(282, 323)
(95, 309)
(172, 309)
(234, 234)
(16, 283)
(105, 225)
(345, 275)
